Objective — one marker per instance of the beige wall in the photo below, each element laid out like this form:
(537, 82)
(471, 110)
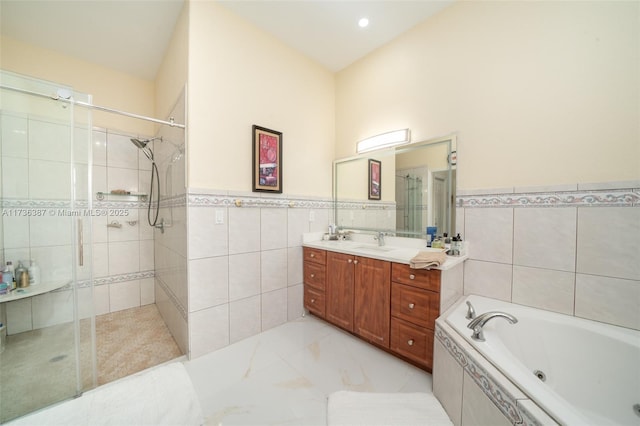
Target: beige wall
(538, 92)
(240, 76)
(110, 88)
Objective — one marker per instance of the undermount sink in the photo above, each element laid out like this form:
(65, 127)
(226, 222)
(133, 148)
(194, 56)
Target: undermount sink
(374, 248)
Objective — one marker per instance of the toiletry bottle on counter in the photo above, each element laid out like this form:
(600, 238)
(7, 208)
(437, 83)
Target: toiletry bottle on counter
(22, 276)
(9, 276)
(34, 273)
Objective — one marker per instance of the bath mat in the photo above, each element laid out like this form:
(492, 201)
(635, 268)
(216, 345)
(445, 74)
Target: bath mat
(159, 396)
(378, 409)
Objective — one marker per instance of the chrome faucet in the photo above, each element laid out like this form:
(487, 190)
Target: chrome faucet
(380, 238)
(479, 322)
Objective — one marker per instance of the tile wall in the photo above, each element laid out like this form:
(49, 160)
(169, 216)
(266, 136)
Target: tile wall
(572, 249)
(36, 156)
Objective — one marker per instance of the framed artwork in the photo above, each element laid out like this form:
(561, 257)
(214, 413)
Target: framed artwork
(375, 175)
(267, 160)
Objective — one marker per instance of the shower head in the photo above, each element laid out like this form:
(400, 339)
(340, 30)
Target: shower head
(142, 144)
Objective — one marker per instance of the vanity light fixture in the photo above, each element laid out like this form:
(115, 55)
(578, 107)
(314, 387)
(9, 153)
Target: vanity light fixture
(385, 140)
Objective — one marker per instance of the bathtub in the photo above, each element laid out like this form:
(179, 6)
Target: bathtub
(579, 372)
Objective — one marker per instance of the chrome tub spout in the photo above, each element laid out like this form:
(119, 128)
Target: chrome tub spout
(479, 322)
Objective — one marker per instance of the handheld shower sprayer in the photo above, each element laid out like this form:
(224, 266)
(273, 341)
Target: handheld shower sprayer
(142, 145)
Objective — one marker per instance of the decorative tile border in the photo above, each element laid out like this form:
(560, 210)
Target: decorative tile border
(173, 298)
(592, 198)
(219, 200)
(112, 279)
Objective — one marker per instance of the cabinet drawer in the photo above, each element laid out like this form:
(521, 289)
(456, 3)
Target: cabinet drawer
(315, 255)
(422, 278)
(415, 343)
(314, 275)
(314, 301)
(420, 307)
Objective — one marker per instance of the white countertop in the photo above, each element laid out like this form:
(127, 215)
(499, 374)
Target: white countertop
(32, 290)
(387, 252)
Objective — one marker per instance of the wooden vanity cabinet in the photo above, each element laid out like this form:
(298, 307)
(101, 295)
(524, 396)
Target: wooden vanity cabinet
(371, 316)
(340, 289)
(314, 269)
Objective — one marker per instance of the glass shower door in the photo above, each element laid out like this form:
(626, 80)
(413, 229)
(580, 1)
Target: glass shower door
(46, 210)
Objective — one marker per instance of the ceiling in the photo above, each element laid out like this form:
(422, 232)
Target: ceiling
(132, 35)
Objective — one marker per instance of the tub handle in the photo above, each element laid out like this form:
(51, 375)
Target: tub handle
(412, 277)
(412, 305)
(471, 312)
(410, 342)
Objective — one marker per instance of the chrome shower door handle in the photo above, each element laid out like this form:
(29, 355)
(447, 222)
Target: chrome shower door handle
(80, 244)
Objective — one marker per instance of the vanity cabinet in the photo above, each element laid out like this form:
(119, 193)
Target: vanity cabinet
(371, 319)
(340, 289)
(314, 268)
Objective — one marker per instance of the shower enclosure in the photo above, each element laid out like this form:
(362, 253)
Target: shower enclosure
(48, 354)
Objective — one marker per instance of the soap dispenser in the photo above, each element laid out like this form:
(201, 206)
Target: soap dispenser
(34, 273)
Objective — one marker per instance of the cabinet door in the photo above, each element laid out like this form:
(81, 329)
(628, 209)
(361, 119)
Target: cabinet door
(339, 290)
(372, 287)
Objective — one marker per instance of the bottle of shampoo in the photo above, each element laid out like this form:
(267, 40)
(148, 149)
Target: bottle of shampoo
(22, 276)
(34, 273)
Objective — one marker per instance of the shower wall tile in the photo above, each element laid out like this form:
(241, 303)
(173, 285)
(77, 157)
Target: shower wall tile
(124, 257)
(274, 308)
(244, 230)
(100, 259)
(50, 230)
(14, 136)
(294, 302)
(172, 317)
(86, 306)
(49, 141)
(14, 184)
(611, 300)
(609, 242)
(80, 145)
(147, 291)
(124, 295)
(244, 318)
(19, 317)
(208, 330)
(297, 224)
(48, 180)
(55, 262)
(244, 275)
(126, 232)
(99, 179)
(491, 231)
(488, 279)
(273, 270)
(99, 148)
(120, 178)
(294, 266)
(146, 255)
(16, 231)
(52, 308)
(545, 238)
(121, 153)
(273, 228)
(544, 288)
(208, 282)
(99, 230)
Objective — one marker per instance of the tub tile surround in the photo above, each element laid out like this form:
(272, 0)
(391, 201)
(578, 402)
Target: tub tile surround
(572, 249)
(122, 258)
(245, 262)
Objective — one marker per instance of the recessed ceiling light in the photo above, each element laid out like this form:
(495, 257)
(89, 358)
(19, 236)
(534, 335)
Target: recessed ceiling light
(363, 22)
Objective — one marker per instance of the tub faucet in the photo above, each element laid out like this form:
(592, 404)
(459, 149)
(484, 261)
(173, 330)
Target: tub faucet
(380, 238)
(479, 322)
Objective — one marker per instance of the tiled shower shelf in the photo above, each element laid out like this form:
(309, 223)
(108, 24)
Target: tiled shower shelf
(32, 290)
(102, 195)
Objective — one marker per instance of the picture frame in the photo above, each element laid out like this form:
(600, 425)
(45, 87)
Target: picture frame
(375, 179)
(267, 160)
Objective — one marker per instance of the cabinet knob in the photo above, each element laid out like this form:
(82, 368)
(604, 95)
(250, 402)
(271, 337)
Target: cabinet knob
(312, 255)
(313, 275)
(355, 262)
(412, 277)
(349, 261)
(412, 305)
(410, 342)
(313, 300)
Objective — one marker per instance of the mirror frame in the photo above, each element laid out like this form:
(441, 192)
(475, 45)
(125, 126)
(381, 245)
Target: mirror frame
(450, 139)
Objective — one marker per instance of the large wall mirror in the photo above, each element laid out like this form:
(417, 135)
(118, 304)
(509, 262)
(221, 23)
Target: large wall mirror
(401, 192)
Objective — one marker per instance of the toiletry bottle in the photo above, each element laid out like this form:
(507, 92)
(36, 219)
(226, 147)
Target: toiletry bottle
(22, 276)
(9, 276)
(34, 273)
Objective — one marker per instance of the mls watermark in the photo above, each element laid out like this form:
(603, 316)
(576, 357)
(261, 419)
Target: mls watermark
(54, 212)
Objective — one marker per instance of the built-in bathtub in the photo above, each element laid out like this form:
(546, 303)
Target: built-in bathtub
(579, 372)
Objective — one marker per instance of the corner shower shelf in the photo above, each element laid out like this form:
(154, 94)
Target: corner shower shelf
(32, 290)
(101, 195)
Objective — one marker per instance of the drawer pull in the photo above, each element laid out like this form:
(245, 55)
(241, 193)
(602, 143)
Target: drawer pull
(349, 261)
(410, 342)
(313, 300)
(412, 305)
(412, 277)
(312, 255)
(355, 262)
(313, 275)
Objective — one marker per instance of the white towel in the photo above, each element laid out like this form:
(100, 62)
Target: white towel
(347, 408)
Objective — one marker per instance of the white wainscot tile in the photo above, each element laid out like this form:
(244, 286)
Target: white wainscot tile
(209, 330)
(99, 148)
(321, 219)
(101, 299)
(460, 229)
(119, 178)
(488, 279)
(124, 257)
(206, 238)
(244, 318)
(544, 288)
(49, 141)
(244, 230)
(121, 152)
(545, 238)
(295, 308)
(447, 381)
(208, 282)
(14, 185)
(54, 261)
(19, 316)
(478, 408)
(273, 269)
(490, 232)
(146, 255)
(294, 266)
(52, 308)
(14, 136)
(273, 228)
(274, 308)
(609, 241)
(611, 300)
(244, 275)
(50, 230)
(297, 224)
(147, 292)
(16, 231)
(49, 180)
(124, 295)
